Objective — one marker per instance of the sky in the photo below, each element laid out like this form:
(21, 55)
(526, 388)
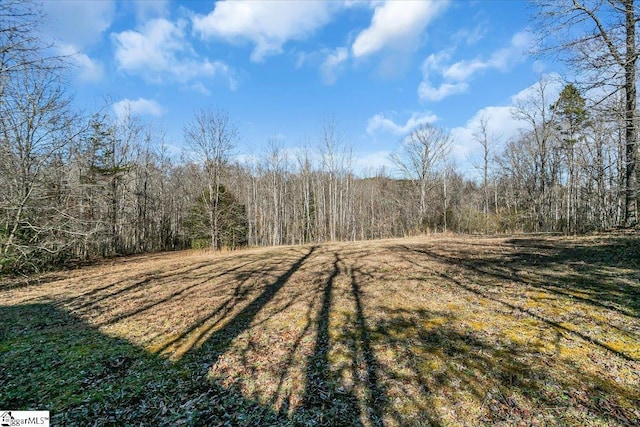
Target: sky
(281, 68)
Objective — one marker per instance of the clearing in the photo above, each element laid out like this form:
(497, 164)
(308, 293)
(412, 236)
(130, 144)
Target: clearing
(443, 330)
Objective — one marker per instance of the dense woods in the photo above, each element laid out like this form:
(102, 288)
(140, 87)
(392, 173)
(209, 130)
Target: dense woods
(75, 187)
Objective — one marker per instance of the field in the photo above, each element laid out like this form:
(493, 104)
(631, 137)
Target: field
(429, 331)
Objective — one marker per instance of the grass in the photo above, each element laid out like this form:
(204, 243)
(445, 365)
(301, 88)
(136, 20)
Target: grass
(429, 331)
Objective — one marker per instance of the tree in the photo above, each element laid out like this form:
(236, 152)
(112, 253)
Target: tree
(211, 136)
(486, 141)
(275, 168)
(232, 220)
(21, 46)
(35, 128)
(538, 146)
(31, 101)
(421, 153)
(110, 163)
(336, 162)
(306, 196)
(571, 116)
(599, 38)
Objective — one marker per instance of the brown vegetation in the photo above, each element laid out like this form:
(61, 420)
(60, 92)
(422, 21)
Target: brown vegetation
(425, 331)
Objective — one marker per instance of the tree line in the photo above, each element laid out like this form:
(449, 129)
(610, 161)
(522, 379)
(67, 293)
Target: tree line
(76, 187)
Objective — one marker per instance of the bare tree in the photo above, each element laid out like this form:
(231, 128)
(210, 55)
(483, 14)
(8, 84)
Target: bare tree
(35, 127)
(276, 166)
(422, 152)
(211, 136)
(535, 111)
(486, 141)
(336, 164)
(305, 172)
(21, 46)
(599, 38)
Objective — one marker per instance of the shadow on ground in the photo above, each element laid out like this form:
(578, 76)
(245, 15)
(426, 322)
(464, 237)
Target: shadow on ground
(52, 360)
(335, 335)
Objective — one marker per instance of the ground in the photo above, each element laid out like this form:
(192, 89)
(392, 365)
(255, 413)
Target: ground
(428, 331)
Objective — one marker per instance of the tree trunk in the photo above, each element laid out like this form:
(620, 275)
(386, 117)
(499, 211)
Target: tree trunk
(631, 202)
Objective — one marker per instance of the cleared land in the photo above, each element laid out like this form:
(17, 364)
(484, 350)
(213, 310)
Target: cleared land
(426, 331)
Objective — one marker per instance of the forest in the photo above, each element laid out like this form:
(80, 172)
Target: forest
(77, 185)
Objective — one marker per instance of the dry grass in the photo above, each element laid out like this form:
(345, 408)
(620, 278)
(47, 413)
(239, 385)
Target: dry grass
(426, 331)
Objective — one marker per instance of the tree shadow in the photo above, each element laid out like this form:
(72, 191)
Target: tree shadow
(220, 340)
(510, 381)
(437, 358)
(342, 385)
(375, 399)
(603, 272)
(324, 401)
(365, 356)
(592, 266)
(182, 292)
(493, 296)
(89, 298)
(598, 277)
(60, 272)
(51, 360)
(197, 359)
(95, 295)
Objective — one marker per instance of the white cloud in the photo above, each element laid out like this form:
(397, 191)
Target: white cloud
(160, 49)
(381, 123)
(426, 91)
(502, 59)
(331, 64)
(500, 127)
(538, 66)
(74, 26)
(149, 9)
(501, 124)
(200, 87)
(471, 37)
(79, 23)
(151, 50)
(396, 25)
(507, 57)
(138, 107)
(87, 68)
(370, 163)
(435, 64)
(462, 70)
(551, 84)
(437, 61)
(266, 24)
(306, 58)
(454, 78)
(90, 70)
(371, 4)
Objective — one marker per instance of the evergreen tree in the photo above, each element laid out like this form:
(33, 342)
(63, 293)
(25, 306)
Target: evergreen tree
(572, 116)
(231, 219)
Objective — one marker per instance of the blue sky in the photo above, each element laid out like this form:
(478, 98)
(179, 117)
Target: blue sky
(280, 68)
